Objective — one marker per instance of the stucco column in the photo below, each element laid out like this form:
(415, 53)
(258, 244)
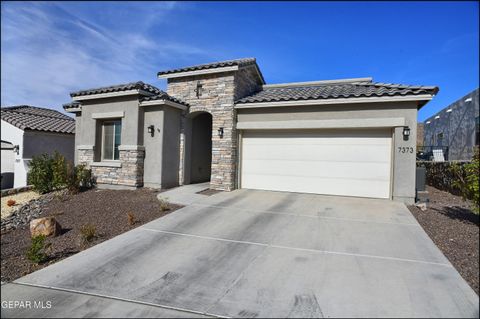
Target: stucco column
(181, 164)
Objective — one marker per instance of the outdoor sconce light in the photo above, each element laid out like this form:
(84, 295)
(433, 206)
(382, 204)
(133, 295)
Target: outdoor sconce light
(198, 90)
(220, 132)
(151, 129)
(406, 132)
(468, 100)
(16, 149)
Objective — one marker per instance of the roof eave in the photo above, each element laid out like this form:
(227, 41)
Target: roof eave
(111, 94)
(424, 98)
(164, 102)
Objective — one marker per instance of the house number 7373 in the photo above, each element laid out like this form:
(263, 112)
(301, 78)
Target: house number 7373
(403, 149)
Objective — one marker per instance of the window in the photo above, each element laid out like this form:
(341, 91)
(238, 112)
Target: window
(111, 139)
(440, 139)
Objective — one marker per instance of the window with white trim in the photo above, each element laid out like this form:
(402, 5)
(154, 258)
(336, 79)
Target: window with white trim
(111, 139)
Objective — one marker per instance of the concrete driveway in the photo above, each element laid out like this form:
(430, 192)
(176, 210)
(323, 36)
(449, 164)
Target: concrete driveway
(258, 254)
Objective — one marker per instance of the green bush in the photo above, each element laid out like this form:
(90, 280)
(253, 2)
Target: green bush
(79, 178)
(48, 173)
(59, 169)
(41, 173)
(467, 180)
(36, 251)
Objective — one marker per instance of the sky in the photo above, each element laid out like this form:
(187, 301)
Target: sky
(51, 49)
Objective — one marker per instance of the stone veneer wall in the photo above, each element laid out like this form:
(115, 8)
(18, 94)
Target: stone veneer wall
(129, 174)
(218, 95)
(216, 99)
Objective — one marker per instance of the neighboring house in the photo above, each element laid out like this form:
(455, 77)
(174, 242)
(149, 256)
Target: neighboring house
(33, 131)
(455, 129)
(221, 123)
(8, 160)
(420, 134)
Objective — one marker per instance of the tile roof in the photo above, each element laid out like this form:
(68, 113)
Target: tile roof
(333, 90)
(163, 96)
(240, 62)
(139, 85)
(73, 104)
(27, 117)
(158, 94)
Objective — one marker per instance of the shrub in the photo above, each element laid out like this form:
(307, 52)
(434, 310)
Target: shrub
(87, 233)
(131, 218)
(84, 177)
(79, 178)
(467, 180)
(164, 204)
(41, 173)
(59, 171)
(36, 251)
(48, 173)
(11, 202)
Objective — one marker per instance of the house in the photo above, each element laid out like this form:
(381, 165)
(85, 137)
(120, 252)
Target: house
(455, 129)
(220, 122)
(34, 131)
(8, 159)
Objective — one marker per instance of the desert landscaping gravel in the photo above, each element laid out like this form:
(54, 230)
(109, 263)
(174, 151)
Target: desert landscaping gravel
(454, 228)
(106, 210)
(20, 199)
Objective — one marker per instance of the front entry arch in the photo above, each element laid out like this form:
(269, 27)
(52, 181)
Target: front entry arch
(198, 148)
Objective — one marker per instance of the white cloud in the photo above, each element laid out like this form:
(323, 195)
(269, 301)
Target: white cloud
(49, 50)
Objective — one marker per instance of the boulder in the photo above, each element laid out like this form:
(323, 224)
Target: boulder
(47, 226)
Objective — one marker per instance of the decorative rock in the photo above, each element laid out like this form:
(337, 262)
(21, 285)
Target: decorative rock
(422, 206)
(47, 226)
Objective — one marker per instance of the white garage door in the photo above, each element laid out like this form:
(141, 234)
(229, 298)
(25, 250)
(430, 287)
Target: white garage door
(333, 162)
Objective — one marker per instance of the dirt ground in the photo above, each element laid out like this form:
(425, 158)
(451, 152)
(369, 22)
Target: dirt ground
(106, 210)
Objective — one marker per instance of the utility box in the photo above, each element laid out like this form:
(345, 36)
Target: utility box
(420, 179)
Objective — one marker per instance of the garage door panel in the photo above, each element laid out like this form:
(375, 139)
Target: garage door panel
(337, 162)
(376, 171)
(361, 153)
(302, 184)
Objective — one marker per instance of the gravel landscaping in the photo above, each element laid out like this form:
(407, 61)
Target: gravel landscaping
(454, 228)
(111, 212)
(20, 199)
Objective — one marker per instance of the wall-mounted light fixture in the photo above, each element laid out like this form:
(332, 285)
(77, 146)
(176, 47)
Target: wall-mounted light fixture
(16, 149)
(198, 89)
(437, 117)
(468, 100)
(406, 132)
(151, 129)
(449, 110)
(220, 132)
(428, 122)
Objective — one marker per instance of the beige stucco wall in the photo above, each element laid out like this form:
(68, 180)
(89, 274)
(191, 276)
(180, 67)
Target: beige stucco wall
(403, 184)
(128, 105)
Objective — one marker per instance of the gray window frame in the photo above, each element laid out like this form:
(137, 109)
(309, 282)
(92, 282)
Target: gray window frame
(115, 127)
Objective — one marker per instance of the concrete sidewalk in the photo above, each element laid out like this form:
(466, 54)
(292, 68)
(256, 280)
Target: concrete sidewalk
(186, 194)
(265, 254)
